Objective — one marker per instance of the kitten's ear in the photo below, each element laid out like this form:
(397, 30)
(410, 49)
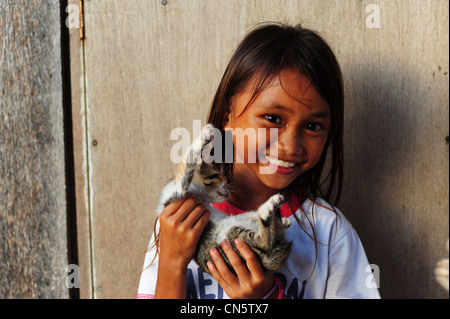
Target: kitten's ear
(207, 134)
(206, 154)
(202, 147)
(195, 153)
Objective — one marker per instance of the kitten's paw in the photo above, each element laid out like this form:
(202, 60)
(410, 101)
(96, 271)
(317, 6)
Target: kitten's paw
(277, 199)
(286, 222)
(265, 211)
(268, 208)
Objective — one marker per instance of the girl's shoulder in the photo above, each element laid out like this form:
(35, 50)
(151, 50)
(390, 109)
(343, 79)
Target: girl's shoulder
(320, 217)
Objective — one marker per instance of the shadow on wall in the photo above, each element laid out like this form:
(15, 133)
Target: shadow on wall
(396, 183)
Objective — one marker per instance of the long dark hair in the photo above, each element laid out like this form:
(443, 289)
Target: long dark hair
(264, 53)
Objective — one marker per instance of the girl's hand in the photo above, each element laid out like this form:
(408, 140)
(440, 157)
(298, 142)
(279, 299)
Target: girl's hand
(251, 281)
(181, 224)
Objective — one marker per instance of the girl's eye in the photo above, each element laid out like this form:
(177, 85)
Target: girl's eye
(273, 118)
(315, 127)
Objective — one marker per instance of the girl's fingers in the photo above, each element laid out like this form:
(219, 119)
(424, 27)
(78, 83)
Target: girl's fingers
(253, 263)
(215, 273)
(185, 209)
(252, 282)
(200, 221)
(194, 215)
(223, 275)
(172, 208)
(236, 261)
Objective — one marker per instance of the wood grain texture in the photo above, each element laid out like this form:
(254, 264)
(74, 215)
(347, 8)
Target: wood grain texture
(396, 188)
(152, 67)
(33, 234)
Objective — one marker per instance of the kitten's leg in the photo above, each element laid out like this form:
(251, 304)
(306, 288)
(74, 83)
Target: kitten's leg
(268, 241)
(286, 222)
(266, 210)
(266, 213)
(272, 243)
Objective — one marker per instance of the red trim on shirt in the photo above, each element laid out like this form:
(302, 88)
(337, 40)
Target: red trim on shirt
(229, 209)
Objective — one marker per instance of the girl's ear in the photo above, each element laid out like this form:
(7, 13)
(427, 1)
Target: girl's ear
(227, 122)
(226, 126)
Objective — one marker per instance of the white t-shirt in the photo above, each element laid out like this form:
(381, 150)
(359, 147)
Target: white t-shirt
(341, 269)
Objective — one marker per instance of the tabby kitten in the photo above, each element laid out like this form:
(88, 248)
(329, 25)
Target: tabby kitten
(262, 230)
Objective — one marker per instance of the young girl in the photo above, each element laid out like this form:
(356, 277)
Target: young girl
(288, 78)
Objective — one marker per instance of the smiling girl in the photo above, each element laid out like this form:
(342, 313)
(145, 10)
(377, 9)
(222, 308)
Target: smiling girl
(283, 77)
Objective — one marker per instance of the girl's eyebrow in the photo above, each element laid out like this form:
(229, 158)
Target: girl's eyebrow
(323, 115)
(279, 107)
(320, 114)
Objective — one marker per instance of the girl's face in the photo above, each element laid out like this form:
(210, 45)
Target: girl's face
(303, 119)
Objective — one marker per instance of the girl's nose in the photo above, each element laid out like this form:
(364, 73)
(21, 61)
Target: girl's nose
(290, 141)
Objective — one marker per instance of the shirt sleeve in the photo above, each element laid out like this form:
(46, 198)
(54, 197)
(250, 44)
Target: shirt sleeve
(349, 274)
(149, 275)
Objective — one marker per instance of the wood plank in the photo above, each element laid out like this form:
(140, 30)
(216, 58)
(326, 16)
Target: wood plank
(33, 220)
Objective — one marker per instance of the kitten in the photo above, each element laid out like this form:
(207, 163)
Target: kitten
(262, 230)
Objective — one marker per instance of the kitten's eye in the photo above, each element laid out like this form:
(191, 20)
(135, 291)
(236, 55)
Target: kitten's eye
(275, 119)
(213, 176)
(315, 127)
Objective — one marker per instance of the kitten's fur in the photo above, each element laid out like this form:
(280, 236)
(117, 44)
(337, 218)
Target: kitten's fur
(262, 230)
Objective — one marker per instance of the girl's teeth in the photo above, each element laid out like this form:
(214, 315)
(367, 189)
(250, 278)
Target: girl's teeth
(281, 163)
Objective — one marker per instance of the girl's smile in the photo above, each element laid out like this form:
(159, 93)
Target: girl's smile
(290, 104)
(280, 166)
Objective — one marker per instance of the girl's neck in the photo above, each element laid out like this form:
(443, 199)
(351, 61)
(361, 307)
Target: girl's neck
(248, 191)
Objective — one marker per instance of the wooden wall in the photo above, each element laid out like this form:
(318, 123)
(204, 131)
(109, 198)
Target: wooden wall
(33, 213)
(146, 68)
(397, 164)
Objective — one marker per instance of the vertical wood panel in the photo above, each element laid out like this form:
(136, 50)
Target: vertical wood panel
(33, 221)
(152, 67)
(79, 128)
